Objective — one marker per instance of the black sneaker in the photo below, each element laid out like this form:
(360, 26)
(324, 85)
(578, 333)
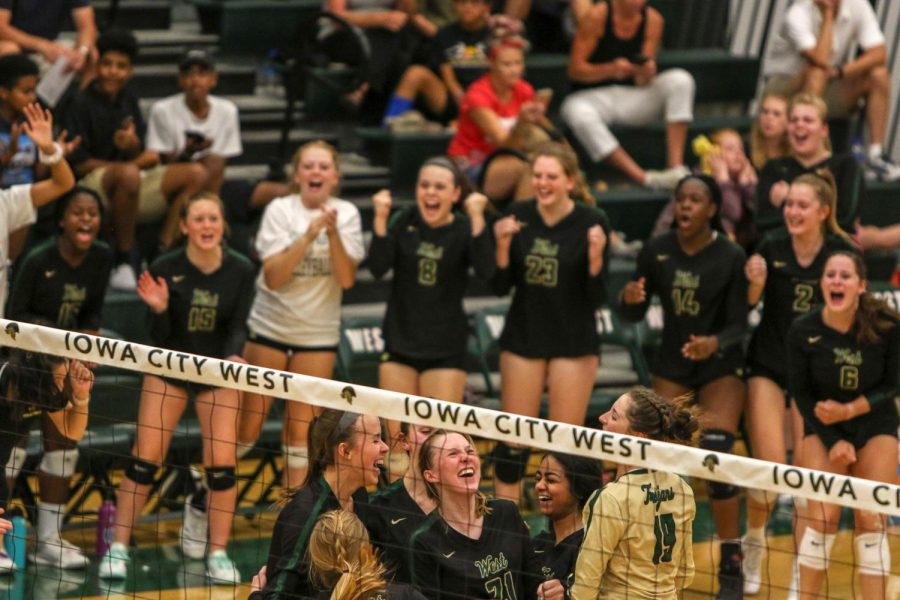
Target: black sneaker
(731, 576)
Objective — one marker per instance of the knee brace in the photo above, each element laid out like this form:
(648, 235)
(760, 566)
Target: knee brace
(815, 549)
(295, 457)
(719, 440)
(15, 463)
(243, 449)
(59, 463)
(141, 471)
(219, 479)
(873, 554)
(510, 463)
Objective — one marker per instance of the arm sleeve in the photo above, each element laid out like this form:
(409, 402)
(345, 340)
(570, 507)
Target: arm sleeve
(531, 566)
(287, 550)
(228, 143)
(22, 290)
(237, 324)
(76, 123)
(851, 194)
(160, 136)
(424, 568)
(274, 233)
(767, 216)
(350, 229)
(890, 386)
(161, 324)
(800, 387)
(869, 33)
(481, 254)
(798, 28)
(92, 312)
(685, 574)
(382, 249)
(605, 527)
(735, 305)
(636, 312)
(597, 289)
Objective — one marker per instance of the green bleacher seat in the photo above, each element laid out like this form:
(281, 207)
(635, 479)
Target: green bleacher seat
(255, 24)
(882, 205)
(402, 153)
(126, 314)
(632, 210)
(360, 349)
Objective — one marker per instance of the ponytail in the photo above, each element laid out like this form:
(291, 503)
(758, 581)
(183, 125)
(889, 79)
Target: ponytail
(824, 187)
(662, 419)
(341, 558)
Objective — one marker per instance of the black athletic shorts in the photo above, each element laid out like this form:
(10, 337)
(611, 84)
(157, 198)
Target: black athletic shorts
(757, 370)
(457, 361)
(706, 371)
(286, 348)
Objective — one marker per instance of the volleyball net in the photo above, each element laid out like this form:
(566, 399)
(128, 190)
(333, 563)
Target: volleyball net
(106, 449)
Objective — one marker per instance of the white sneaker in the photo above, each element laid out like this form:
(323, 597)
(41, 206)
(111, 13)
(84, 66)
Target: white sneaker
(58, 553)
(114, 564)
(793, 591)
(221, 570)
(123, 278)
(881, 168)
(753, 550)
(666, 179)
(6, 563)
(194, 531)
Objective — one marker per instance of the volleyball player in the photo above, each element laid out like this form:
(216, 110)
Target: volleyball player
(430, 249)
(310, 244)
(469, 547)
(637, 533)
(62, 282)
(32, 385)
(784, 273)
(402, 507)
(552, 250)
(198, 301)
(563, 483)
(844, 376)
(346, 453)
(698, 275)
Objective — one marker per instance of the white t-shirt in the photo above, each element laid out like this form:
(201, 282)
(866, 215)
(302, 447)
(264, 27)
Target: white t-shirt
(170, 118)
(855, 26)
(305, 311)
(16, 211)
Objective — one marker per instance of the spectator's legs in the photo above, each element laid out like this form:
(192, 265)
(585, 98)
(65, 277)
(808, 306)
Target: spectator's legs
(180, 182)
(255, 407)
(122, 183)
(569, 383)
(507, 176)
(765, 415)
(417, 80)
(676, 87)
(8, 47)
(215, 172)
(879, 238)
(877, 460)
(299, 414)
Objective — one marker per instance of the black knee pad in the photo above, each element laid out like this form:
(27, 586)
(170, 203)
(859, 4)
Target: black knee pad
(719, 440)
(219, 479)
(141, 472)
(510, 463)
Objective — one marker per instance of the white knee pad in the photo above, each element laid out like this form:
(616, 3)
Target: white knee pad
(295, 457)
(815, 549)
(243, 450)
(59, 463)
(16, 462)
(873, 555)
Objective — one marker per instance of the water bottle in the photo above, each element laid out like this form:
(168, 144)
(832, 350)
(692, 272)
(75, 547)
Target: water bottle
(14, 540)
(106, 523)
(267, 78)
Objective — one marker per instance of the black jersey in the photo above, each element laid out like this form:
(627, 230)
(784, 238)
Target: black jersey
(848, 177)
(49, 288)
(394, 592)
(827, 364)
(393, 520)
(287, 569)
(500, 564)
(207, 313)
(703, 294)
(557, 561)
(425, 317)
(791, 290)
(552, 313)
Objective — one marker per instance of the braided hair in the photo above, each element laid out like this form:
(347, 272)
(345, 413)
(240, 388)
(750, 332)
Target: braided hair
(342, 559)
(661, 419)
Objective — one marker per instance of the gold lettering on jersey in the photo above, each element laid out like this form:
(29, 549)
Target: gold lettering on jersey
(428, 263)
(543, 247)
(686, 279)
(314, 266)
(202, 316)
(72, 292)
(845, 356)
(490, 564)
(429, 250)
(655, 495)
(73, 297)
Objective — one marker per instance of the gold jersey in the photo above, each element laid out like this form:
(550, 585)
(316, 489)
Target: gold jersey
(637, 539)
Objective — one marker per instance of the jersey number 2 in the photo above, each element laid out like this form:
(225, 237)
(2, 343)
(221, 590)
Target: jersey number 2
(664, 530)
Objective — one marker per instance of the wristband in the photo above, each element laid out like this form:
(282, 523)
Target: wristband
(51, 159)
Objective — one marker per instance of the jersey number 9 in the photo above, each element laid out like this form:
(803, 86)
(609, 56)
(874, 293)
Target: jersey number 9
(664, 530)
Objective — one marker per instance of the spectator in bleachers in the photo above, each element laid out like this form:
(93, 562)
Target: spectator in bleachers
(113, 161)
(563, 483)
(19, 204)
(612, 68)
(698, 275)
(459, 57)
(198, 297)
(815, 51)
(195, 126)
(430, 249)
(553, 250)
(768, 135)
(62, 282)
(346, 454)
(500, 112)
(34, 26)
(37, 385)
(310, 244)
(784, 273)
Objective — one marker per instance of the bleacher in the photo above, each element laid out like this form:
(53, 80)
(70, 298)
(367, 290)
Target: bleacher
(240, 33)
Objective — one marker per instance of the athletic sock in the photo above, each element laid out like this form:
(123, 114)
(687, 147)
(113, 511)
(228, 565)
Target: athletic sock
(49, 523)
(397, 106)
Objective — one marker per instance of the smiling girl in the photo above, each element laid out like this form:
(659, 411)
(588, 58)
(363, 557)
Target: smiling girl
(310, 244)
(843, 375)
(198, 301)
